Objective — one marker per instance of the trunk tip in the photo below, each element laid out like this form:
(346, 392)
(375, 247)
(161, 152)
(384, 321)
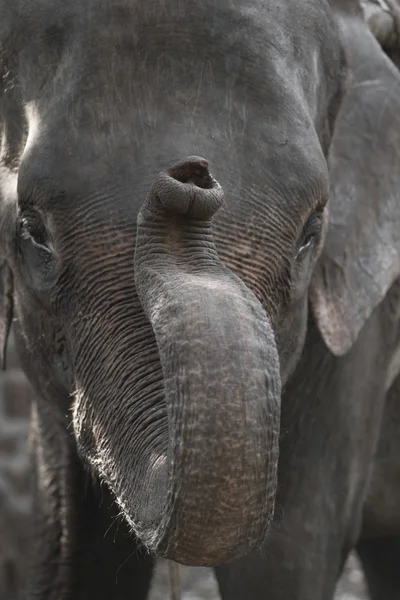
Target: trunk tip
(188, 189)
(193, 170)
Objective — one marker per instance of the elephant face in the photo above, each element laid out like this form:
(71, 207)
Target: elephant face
(155, 317)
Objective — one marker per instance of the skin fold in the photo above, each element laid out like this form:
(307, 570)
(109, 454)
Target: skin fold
(200, 252)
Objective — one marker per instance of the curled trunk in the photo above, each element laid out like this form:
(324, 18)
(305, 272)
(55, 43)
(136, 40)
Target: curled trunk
(215, 488)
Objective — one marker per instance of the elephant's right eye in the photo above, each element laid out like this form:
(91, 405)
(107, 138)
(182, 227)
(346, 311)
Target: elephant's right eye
(310, 234)
(35, 251)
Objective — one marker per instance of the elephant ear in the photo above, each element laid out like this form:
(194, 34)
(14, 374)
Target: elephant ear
(361, 256)
(6, 309)
(11, 109)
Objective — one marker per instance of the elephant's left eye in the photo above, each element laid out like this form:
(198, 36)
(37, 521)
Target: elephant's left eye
(310, 235)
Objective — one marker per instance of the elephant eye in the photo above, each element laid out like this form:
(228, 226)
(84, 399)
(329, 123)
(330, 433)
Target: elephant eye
(310, 235)
(37, 257)
(33, 230)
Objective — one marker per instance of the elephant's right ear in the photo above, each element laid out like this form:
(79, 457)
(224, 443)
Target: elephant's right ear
(6, 309)
(361, 256)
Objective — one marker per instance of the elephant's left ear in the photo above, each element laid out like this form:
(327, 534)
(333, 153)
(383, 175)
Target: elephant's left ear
(6, 309)
(361, 256)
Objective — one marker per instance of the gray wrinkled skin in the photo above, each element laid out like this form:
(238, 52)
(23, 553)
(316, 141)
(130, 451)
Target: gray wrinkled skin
(180, 345)
(196, 583)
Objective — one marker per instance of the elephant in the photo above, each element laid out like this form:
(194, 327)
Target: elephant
(200, 260)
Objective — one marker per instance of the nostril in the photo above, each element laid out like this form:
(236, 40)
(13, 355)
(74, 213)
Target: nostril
(193, 170)
(187, 188)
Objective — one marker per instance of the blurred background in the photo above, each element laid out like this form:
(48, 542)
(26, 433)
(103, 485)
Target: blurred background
(15, 395)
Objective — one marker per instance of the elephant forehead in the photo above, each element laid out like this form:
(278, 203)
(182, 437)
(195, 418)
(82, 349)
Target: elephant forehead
(107, 122)
(126, 56)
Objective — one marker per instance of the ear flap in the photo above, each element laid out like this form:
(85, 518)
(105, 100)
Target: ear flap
(6, 309)
(361, 257)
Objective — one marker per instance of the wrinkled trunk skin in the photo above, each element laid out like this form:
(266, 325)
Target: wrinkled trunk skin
(217, 483)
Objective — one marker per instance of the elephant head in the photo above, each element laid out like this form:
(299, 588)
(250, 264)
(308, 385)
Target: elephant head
(154, 318)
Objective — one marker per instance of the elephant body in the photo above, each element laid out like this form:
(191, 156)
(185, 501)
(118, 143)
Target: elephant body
(215, 357)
